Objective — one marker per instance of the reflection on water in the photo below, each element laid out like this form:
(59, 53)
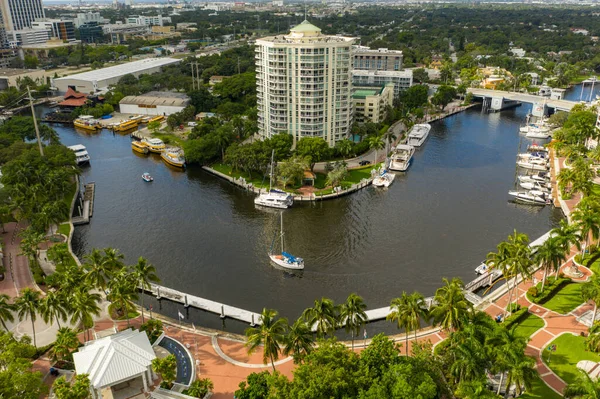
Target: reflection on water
(206, 237)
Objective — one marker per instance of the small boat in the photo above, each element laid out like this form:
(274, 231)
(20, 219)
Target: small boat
(158, 118)
(534, 185)
(139, 146)
(274, 198)
(542, 177)
(532, 155)
(532, 197)
(384, 179)
(418, 134)
(482, 269)
(174, 157)
(532, 163)
(285, 259)
(81, 154)
(87, 122)
(533, 178)
(147, 178)
(401, 158)
(145, 119)
(155, 145)
(537, 148)
(537, 134)
(125, 125)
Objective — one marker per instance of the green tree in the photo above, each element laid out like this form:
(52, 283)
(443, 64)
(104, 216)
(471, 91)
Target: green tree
(98, 270)
(256, 386)
(451, 306)
(27, 304)
(352, 314)
(344, 147)
(315, 148)
(587, 219)
(84, 306)
(403, 380)
(323, 317)
(167, 369)
(298, 341)
(414, 97)
(6, 310)
(17, 380)
(154, 126)
(551, 254)
(407, 311)
(270, 334)
(144, 274)
(292, 171)
(420, 75)
(591, 291)
(53, 307)
(443, 96)
(66, 342)
(585, 387)
(199, 388)
(376, 143)
(79, 389)
(123, 292)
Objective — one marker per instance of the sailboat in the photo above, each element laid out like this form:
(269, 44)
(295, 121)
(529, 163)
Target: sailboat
(274, 198)
(285, 259)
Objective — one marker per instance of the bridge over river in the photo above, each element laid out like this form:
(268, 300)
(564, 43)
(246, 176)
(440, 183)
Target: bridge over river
(498, 100)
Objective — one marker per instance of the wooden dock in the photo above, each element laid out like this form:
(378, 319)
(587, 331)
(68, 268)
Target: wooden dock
(88, 205)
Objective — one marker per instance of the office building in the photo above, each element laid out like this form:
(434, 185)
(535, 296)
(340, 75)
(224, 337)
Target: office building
(29, 36)
(6, 52)
(148, 20)
(376, 60)
(91, 32)
(86, 18)
(304, 84)
(19, 14)
(59, 29)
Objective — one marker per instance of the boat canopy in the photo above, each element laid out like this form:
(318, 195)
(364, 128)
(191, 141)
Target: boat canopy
(289, 257)
(77, 147)
(405, 147)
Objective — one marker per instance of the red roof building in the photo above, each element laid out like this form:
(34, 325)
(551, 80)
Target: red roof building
(73, 99)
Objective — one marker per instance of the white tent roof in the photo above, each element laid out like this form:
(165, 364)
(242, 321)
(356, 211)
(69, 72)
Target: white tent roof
(115, 358)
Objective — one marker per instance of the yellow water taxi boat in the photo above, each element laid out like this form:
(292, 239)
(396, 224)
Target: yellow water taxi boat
(125, 125)
(174, 157)
(154, 145)
(158, 118)
(139, 146)
(87, 122)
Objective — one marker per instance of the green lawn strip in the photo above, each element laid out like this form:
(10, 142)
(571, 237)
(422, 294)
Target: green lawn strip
(565, 300)
(65, 229)
(255, 178)
(530, 324)
(570, 349)
(69, 194)
(169, 139)
(539, 390)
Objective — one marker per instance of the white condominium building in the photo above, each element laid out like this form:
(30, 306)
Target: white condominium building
(304, 84)
(19, 14)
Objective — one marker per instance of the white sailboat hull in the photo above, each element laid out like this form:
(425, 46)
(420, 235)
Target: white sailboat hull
(532, 166)
(280, 260)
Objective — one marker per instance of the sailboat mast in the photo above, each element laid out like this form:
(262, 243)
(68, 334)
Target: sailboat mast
(271, 175)
(281, 232)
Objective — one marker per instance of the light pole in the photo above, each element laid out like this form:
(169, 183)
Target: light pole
(37, 130)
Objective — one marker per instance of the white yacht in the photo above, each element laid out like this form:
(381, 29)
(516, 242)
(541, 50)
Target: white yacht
(274, 198)
(542, 177)
(536, 133)
(285, 259)
(537, 148)
(534, 185)
(401, 158)
(531, 179)
(81, 154)
(533, 197)
(418, 134)
(384, 179)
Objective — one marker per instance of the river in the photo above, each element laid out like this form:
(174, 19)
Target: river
(206, 237)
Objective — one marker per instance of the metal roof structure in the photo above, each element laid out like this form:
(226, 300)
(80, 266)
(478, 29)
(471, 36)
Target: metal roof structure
(115, 358)
(167, 98)
(121, 70)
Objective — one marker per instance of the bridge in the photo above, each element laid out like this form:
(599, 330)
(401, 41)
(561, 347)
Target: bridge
(498, 100)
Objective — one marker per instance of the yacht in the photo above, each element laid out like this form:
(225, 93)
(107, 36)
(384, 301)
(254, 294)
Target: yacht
(274, 198)
(534, 185)
(139, 146)
(87, 122)
(401, 158)
(154, 145)
(418, 134)
(537, 148)
(384, 179)
(536, 133)
(81, 154)
(532, 197)
(174, 157)
(532, 165)
(532, 179)
(285, 260)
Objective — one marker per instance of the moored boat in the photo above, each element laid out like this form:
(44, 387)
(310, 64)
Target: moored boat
(147, 178)
(532, 197)
(154, 145)
(536, 133)
(402, 157)
(274, 198)
(87, 122)
(81, 154)
(285, 259)
(537, 148)
(174, 157)
(125, 125)
(418, 134)
(139, 146)
(384, 179)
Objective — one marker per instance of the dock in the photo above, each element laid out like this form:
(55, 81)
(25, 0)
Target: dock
(86, 207)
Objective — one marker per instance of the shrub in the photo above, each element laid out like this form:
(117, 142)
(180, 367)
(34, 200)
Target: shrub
(552, 287)
(513, 307)
(515, 318)
(199, 388)
(532, 291)
(153, 328)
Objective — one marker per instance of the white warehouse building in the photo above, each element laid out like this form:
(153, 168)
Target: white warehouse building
(100, 79)
(154, 103)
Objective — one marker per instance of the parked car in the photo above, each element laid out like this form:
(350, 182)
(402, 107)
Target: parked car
(364, 162)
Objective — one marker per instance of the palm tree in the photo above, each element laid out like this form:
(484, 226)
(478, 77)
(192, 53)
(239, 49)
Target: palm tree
(591, 291)
(298, 341)
(520, 372)
(53, 306)
(66, 341)
(84, 306)
(451, 306)
(376, 143)
(6, 309)
(352, 313)
(113, 259)
(389, 138)
(567, 235)
(270, 334)
(506, 345)
(98, 271)
(584, 387)
(144, 273)
(476, 389)
(407, 311)
(123, 292)
(322, 317)
(588, 222)
(551, 254)
(27, 305)
(592, 342)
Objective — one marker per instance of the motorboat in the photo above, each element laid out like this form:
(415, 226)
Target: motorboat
(536, 133)
(139, 146)
(532, 165)
(125, 125)
(174, 157)
(532, 197)
(402, 157)
(384, 179)
(537, 148)
(530, 155)
(81, 154)
(147, 178)
(158, 118)
(155, 145)
(87, 122)
(542, 177)
(534, 185)
(532, 179)
(274, 198)
(482, 269)
(418, 134)
(285, 259)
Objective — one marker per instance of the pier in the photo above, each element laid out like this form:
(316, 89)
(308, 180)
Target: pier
(85, 206)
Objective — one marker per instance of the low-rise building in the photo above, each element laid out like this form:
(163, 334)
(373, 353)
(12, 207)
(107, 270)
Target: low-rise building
(27, 36)
(401, 80)
(122, 32)
(370, 103)
(91, 32)
(42, 50)
(154, 103)
(60, 29)
(364, 58)
(10, 76)
(148, 20)
(213, 80)
(86, 18)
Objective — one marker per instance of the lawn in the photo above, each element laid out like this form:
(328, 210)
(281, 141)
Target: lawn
(570, 349)
(565, 300)
(539, 390)
(256, 179)
(65, 229)
(169, 139)
(69, 194)
(528, 326)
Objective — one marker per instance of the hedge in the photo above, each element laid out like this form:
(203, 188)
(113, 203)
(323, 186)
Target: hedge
(551, 288)
(515, 317)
